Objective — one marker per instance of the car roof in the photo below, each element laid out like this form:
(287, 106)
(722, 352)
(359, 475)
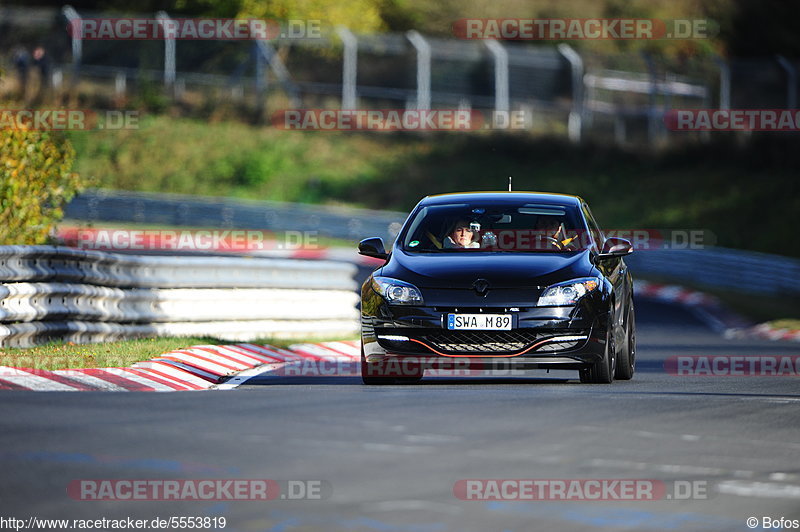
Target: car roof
(546, 198)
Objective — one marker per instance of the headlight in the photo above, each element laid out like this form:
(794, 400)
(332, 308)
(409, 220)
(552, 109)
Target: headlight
(567, 293)
(397, 292)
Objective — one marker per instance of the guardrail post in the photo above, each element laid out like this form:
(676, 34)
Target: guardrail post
(75, 26)
(423, 49)
(575, 120)
(169, 50)
(501, 92)
(349, 67)
(791, 83)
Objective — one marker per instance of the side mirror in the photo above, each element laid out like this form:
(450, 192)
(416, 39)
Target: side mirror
(615, 247)
(372, 247)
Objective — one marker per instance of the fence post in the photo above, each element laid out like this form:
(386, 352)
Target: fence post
(280, 71)
(423, 49)
(261, 78)
(575, 120)
(75, 26)
(652, 108)
(501, 101)
(791, 83)
(349, 67)
(169, 49)
(120, 85)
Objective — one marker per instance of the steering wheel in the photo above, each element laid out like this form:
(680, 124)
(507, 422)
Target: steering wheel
(553, 242)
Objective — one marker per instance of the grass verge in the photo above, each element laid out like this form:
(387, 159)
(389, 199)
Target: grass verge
(59, 355)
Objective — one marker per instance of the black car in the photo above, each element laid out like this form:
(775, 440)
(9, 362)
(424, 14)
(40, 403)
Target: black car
(498, 279)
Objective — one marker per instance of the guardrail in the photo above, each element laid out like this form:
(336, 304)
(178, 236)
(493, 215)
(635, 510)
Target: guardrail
(730, 269)
(178, 210)
(64, 293)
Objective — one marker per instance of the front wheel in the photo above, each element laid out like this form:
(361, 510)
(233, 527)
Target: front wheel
(368, 373)
(626, 364)
(376, 374)
(602, 371)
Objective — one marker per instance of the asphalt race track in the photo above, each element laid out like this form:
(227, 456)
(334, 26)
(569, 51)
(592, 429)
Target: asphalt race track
(389, 456)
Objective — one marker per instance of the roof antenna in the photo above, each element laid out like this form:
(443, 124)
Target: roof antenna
(509, 183)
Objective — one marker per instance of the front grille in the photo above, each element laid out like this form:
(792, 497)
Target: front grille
(486, 341)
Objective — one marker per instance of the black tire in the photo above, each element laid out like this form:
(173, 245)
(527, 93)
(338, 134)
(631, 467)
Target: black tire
(626, 363)
(409, 380)
(368, 376)
(602, 371)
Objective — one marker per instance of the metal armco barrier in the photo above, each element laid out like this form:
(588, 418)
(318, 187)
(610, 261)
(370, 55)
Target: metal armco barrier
(225, 213)
(51, 293)
(730, 269)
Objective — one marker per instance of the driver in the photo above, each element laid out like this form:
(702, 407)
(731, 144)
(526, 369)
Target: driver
(551, 227)
(460, 236)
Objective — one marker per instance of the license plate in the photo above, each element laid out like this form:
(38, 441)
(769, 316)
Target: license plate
(493, 322)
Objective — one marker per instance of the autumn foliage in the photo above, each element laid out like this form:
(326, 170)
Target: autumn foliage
(36, 180)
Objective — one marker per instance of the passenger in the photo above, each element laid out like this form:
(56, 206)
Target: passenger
(461, 236)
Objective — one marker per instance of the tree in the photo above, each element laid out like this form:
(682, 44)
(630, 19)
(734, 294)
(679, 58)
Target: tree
(36, 180)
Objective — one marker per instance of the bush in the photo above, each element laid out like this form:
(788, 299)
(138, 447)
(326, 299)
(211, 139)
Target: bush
(36, 180)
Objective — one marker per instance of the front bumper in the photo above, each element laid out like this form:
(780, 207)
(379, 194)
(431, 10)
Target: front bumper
(541, 337)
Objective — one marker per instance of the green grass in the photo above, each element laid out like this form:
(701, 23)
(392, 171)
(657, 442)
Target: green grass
(59, 355)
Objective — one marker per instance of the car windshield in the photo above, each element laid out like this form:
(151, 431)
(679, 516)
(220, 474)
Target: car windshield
(523, 227)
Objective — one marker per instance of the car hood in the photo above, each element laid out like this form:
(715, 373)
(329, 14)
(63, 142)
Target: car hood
(501, 270)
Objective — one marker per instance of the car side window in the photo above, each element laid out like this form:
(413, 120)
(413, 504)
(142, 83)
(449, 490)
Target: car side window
(594, 229)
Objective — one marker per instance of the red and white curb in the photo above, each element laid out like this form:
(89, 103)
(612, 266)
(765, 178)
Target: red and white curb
(671, 293)
(199, 367)
(325, 359)
(770, 332)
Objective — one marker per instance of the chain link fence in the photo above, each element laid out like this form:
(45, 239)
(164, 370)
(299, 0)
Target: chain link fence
(618, 97)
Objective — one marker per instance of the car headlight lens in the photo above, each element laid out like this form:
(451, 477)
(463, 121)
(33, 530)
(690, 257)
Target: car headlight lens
(567, 293)
(397, 292)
